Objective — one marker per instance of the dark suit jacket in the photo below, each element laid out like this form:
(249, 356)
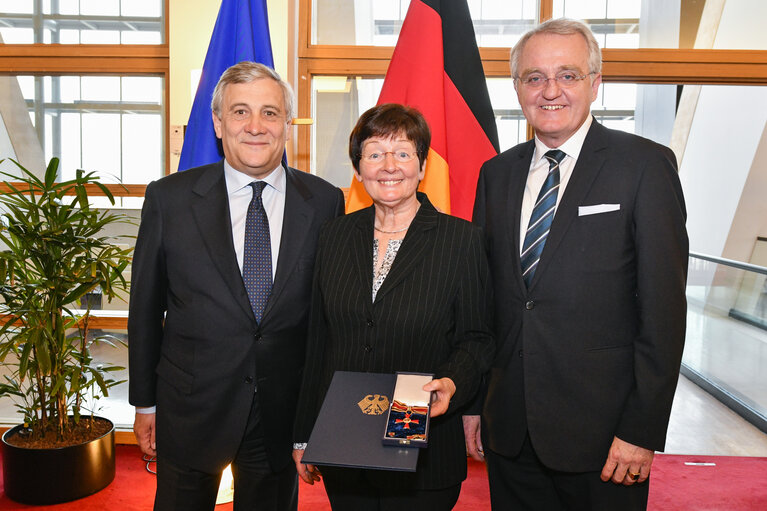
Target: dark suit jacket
(202, 364)
(431, 315)
(592, 349)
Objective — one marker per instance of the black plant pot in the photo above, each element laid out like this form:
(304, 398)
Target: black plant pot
(50, 476)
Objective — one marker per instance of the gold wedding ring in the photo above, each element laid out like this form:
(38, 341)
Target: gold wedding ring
(633, 476)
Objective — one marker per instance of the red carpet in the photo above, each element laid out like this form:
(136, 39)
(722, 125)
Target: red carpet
(732, 484)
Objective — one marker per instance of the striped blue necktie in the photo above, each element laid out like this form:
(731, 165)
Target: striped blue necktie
(257, 261)
(541, 218)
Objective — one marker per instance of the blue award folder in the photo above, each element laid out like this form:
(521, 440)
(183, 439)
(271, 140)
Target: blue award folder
(349, 428)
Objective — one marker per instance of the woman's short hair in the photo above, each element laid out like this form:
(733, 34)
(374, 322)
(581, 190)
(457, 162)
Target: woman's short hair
(559, 26)
(246, 72)
(387, 120)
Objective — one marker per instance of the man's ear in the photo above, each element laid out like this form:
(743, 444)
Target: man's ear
(216, 124)
(596, 82)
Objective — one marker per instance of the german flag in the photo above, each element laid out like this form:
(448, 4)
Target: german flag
(436, 68)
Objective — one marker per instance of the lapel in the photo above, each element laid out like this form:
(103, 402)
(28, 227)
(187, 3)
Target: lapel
(361, 254)
(590, 162)
(520, 168)
(210, 209)
(411, 253)
(297, 223)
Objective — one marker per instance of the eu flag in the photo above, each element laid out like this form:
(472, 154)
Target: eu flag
(241, 33)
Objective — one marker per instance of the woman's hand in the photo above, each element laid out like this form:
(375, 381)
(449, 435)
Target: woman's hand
(443, 389)
(309, 473)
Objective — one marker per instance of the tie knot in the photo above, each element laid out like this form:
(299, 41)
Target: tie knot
(555, 157)
(258, 188)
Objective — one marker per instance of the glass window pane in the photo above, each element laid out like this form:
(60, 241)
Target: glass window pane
(337, 102)
(13, 35)
(100, 88)
(623, 8)
(16, 6)
(101, 152)
(69, 36)
(140, 153)
(671, 24)
(142, 88)
(151, 8)
(71, 141)
(100, 37)
(100, 7)
(94, 122)
(68, 89)
(67, 7)
(83, 21)
(367, 22)
(136, 37)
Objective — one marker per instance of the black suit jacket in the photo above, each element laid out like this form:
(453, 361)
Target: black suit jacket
(431, 315)
(592, 350)
(196, 350)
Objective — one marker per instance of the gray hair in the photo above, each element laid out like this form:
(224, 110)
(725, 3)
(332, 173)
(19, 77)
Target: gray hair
(559, 26)
(247, 72)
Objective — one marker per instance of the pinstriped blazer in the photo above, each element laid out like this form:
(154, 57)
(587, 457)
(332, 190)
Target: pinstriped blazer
(431, 314)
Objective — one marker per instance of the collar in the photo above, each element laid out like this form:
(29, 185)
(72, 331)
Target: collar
(571, 147)
(236, 180)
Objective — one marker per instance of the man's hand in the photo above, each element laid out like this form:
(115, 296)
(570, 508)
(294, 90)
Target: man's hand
(309, 473)
(144, 430)
(471, 430)
(627, 463)
(443, 389)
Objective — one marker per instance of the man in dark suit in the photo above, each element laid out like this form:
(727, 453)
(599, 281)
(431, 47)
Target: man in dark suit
(219, 305)
(585, 232)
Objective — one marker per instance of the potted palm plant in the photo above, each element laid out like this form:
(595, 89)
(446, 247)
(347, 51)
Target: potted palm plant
(53, 254)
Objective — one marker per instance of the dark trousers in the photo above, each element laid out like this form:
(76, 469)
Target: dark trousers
(351, 491)
(522, 482)
(256, 486)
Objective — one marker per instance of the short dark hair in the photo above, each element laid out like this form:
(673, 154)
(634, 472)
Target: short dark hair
(387, 120)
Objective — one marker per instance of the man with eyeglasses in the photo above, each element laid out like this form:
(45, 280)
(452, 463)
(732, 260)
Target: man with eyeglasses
(585, 230)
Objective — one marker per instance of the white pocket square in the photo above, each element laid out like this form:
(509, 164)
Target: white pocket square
(597, 208)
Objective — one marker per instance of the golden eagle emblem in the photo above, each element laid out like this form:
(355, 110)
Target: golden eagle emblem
(374, 404)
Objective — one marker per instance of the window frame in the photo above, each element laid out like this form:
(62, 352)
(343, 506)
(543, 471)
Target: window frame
(642, 66)
(42, 59)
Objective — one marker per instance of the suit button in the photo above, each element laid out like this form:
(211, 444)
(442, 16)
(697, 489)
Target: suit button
(370, 322)
(256, 337)
(368, 348)
(530, 305)
(520, 353)
(248, 380)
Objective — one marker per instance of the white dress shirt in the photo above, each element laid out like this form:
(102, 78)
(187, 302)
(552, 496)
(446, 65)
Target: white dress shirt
(539, 169)
(273, 197)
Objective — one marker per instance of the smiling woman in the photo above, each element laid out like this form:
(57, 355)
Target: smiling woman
(383, 148)
(413, 297)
